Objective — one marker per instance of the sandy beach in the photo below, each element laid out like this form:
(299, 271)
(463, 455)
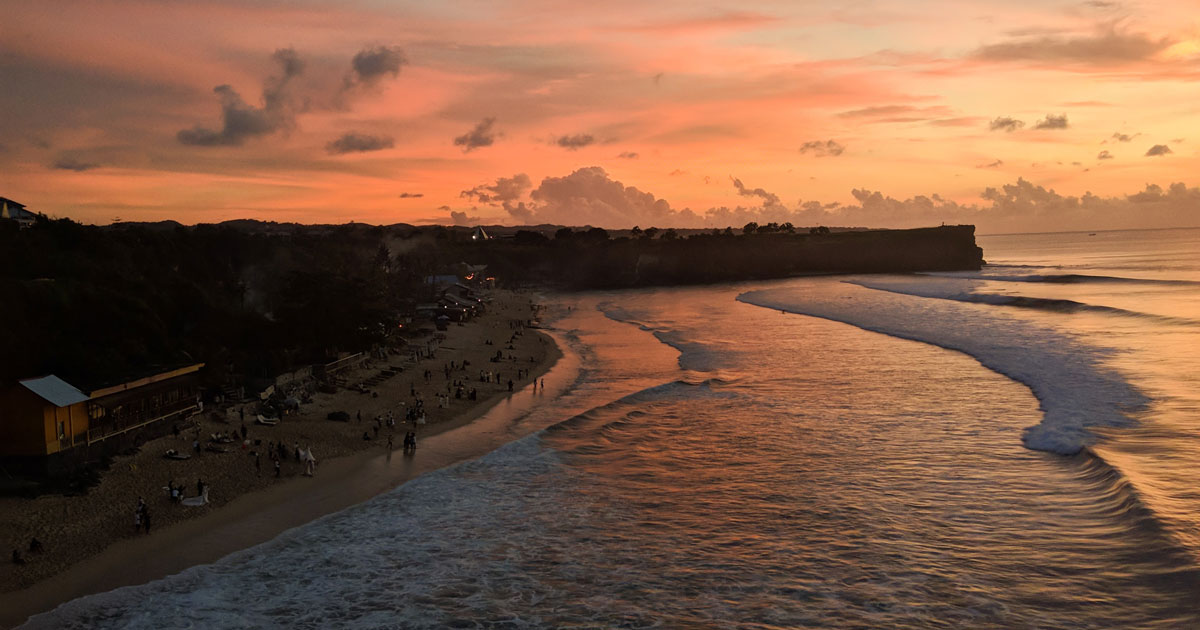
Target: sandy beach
(90, 541)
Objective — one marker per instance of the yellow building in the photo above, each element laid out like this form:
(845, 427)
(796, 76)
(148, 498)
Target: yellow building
(50, 425)
(41, 416)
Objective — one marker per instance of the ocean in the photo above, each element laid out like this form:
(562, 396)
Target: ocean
(1010, 448)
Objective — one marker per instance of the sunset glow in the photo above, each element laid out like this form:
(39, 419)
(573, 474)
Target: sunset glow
(384, 112)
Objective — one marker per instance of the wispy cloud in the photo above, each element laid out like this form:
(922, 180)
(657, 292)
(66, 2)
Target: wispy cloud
(769, 199)
(240, 120)
(1106, 46)
(359, 143)
(68, 163)
(818, 148)
(481, 135)
(574, 142)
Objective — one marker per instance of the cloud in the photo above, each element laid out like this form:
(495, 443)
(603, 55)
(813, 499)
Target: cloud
(1004, 123)
(896, 113)
(993, 164)
(1121, 137)
(408, 195)
(1108, 45)
(68, 163)
(1104, 155)
(240, 120)
(358, 143)
(961, 121)
(628, 155)
(1158, 150)
(769, 199)
(461, 218)
(370, 65)
(504, 191)
(822, 149)
(575, 142)
(588, 196)
(1052, 121)
(481, 135)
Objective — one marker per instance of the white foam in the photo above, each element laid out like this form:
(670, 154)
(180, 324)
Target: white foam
(1067, 375)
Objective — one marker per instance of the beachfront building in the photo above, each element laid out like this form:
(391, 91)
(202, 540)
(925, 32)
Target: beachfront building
(49, 426)
(14, 211)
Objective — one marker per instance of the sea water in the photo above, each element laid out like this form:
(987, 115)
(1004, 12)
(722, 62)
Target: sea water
(1002, 449)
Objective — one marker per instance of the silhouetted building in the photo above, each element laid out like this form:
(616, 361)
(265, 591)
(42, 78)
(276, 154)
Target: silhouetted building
(14, 211)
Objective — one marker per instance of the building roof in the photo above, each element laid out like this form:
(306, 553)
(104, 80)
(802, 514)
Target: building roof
(54, 390)
(10, 209)
(146, 380)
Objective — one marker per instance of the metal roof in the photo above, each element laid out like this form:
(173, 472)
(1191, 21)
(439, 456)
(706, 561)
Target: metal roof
(55, 390)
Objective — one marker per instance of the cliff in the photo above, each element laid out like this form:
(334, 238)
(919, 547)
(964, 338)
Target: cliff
(584, 260)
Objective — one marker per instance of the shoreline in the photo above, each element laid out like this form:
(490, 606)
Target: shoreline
(260, 514)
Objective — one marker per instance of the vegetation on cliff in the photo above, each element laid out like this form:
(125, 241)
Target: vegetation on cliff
(251, 299)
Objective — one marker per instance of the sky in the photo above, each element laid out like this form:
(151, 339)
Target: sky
(1014, 115)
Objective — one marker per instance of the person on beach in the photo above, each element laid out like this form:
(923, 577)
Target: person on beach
(257, 464)
(278, 468)
(35, 545)
(146, 520)
(17, 558)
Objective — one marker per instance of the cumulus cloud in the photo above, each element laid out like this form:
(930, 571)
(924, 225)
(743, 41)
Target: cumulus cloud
(462, 218)
(628, 155)
(359, 143)
(1158, 149)
(769, 199)
(68, 163)
(1121, 137)
(587, 196)
(822, 149)
(1107, 45)
(575, 142)
(1004, 123)
(239, 120)
(481, 135)
(505, 190)
(1104, 155)
(1052, 121)
(409, 195)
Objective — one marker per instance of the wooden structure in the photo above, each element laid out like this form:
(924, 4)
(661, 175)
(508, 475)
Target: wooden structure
(50, 426)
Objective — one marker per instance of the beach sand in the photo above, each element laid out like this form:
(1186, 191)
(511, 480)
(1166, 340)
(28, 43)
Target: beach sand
(91, 545)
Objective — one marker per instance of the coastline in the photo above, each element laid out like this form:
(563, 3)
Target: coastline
(343, 480)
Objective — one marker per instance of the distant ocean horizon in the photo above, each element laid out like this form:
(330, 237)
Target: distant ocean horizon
(1014, 447)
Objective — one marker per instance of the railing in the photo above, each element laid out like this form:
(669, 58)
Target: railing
(107, 430)
(334, 367)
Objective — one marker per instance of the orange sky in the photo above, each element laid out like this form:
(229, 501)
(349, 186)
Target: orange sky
(340, 111)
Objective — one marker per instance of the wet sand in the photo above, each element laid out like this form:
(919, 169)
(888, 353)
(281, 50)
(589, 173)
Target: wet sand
(248, 509)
